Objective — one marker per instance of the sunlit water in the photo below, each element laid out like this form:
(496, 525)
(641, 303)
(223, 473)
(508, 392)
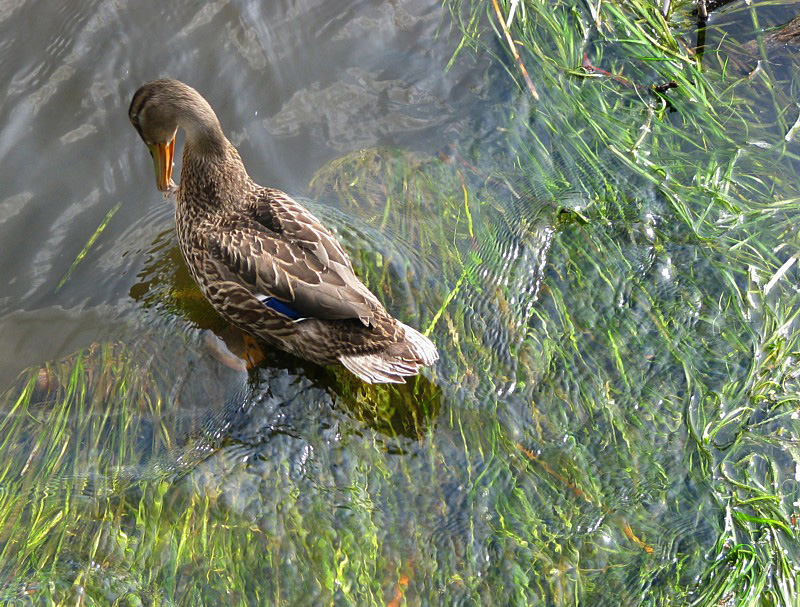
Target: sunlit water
(294, 484)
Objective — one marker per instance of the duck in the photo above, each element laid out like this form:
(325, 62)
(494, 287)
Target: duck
(262, 259)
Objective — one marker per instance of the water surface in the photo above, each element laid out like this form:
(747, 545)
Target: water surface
(561, 452)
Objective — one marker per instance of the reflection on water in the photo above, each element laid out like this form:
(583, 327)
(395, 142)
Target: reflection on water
(543, 460)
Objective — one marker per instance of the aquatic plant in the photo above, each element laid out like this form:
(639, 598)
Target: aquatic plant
(686, 329)
(609, 272)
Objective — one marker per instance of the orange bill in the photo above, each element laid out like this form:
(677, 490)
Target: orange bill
(162, 154)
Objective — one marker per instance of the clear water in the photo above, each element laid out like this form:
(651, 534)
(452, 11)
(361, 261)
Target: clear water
(497, 479)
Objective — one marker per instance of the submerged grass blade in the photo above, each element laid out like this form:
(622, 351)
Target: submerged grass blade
(88, 245)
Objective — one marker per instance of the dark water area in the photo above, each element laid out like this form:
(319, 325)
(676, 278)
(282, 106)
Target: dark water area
(601, 325)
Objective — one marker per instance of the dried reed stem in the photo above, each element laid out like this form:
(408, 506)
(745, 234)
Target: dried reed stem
(514, 52)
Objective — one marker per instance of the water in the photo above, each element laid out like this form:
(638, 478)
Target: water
(559, 452)
(289, 84)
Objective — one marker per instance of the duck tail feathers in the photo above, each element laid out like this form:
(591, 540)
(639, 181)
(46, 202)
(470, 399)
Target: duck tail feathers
(397, 362)
(421, 346)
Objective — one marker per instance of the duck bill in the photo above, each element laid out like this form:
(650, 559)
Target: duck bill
(162, 154)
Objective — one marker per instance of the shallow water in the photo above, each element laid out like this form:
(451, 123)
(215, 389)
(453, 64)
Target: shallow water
(548, 457)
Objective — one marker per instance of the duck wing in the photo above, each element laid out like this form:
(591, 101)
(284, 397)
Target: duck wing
(277, 211)
(291, 270)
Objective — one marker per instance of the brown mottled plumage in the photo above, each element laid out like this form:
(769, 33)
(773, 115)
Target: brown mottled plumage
(265, 262)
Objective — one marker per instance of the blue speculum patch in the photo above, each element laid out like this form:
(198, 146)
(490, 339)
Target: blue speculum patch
(282, 308)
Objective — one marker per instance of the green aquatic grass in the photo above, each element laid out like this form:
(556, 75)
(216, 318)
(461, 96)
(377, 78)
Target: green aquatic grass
(88, 245)
(718, 178)
(610, 276)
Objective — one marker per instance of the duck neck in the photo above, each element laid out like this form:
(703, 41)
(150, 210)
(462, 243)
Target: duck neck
(212, 179)
(203, 132)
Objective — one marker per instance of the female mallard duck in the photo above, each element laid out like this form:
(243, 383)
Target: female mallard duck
(262, 260)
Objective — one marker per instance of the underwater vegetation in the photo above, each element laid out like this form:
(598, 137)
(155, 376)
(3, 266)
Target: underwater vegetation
(606, 260)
